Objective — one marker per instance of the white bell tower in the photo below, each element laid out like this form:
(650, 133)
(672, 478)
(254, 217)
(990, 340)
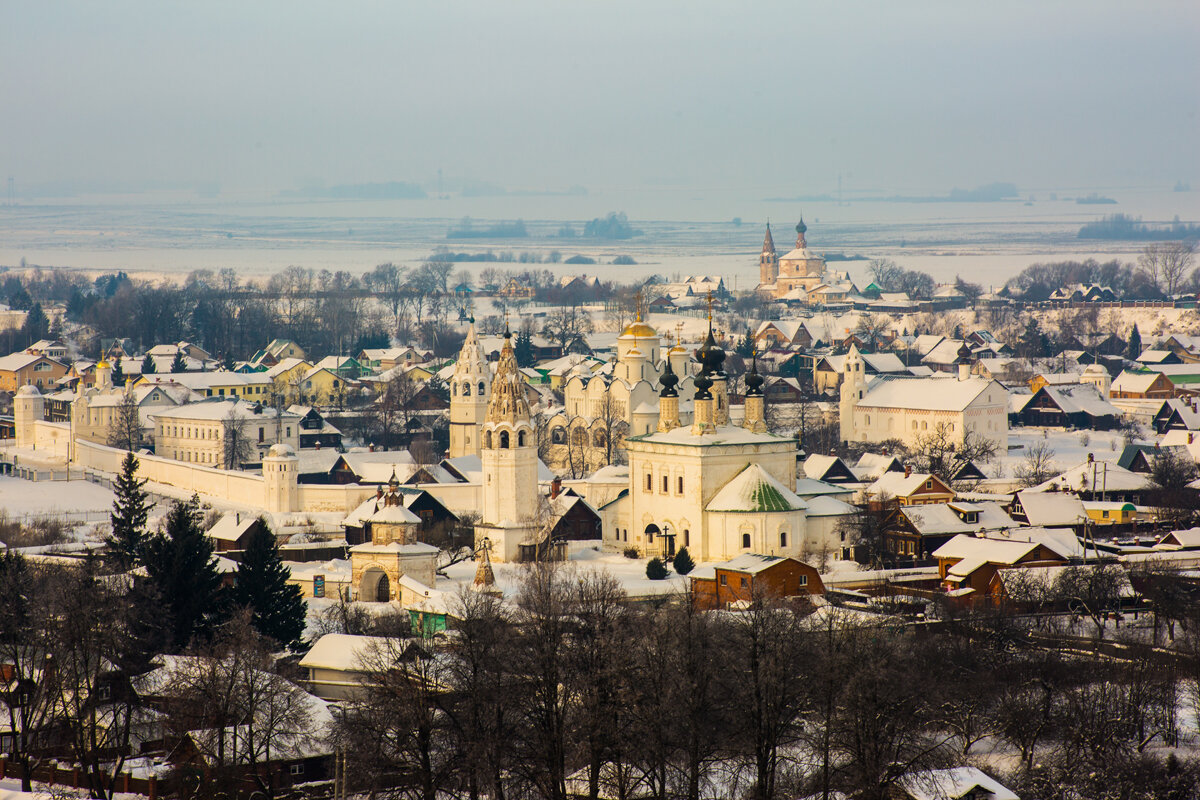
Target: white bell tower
(854, 384)
(470, 389)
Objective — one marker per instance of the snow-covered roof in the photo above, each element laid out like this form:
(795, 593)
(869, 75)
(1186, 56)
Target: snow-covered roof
(1081, 398)
(1052, 509)
(873, 465)
(231, 527)
(974, 552)
(1098, 476)
(724, 435)
(218, 409)
(755, 490)
(1134, 381)
(932, 394)
(897, 484)
(751, 563)
(341, 651)
(953, 784)
(827, 506)
(933, 519)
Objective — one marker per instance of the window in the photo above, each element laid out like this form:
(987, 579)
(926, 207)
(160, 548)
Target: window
(929, 484)
(261, 435)
(296, 769)
(1105, 514)
(503, 440)
(679, 485)
(487, 439)
(289, 431)
(804, 580)
(666, 484)
(745, 583)
(746, 541)
(520, 438)
(783, 538)
(482, 389)
(466, 390)
(723, 581)
(687, 537)
(558, 436)
(649, 482)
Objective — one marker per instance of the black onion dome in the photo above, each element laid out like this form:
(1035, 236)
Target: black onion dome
(754, 381)
(964, 353)
(703, 383)
(801, 227)
(668, 381)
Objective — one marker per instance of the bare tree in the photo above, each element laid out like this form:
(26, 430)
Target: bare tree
(565, 323)
(1165, 264)
(872, 328)
(940, 453)
(885, 274)
(1092, 590)
(125, 430)
(236, 448)
(387, 280)
(1038, 466)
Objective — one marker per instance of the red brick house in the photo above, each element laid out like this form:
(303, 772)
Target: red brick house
(752, 575)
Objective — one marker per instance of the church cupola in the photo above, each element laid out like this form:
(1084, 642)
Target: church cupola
(801, 229)
(755, 408)
(964, 361)
(668, 400)
(712, 356)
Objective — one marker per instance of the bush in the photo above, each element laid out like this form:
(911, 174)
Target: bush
(580, 260)
(656, 570)
(683, 562)
(631, 552)
(624, 261)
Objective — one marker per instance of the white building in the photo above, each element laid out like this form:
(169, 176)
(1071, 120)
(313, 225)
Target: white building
(196, 432)
(904, 408)
(718, 489)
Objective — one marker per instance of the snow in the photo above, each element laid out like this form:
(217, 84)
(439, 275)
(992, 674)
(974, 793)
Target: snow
(19, 497)
(755, 490)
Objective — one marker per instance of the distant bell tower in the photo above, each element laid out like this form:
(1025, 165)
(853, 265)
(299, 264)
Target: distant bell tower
(768, 262)
(470, 388)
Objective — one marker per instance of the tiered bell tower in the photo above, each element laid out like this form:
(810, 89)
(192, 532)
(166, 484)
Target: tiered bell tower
(768, 262)
(470, 389)
(509, 454)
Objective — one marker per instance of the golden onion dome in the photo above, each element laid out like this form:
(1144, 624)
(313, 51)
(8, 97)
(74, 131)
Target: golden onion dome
(640, 329)
(102, 364)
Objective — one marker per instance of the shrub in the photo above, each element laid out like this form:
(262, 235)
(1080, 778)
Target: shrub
(631, 552)
(656, 570)
(624, 261)
(683, 562)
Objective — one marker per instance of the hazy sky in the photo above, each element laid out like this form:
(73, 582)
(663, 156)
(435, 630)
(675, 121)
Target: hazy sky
(768, 98)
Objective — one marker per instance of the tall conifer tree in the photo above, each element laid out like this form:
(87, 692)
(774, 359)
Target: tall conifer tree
(182, 569)
(277, 607)
(1134, 348)
(130, 509)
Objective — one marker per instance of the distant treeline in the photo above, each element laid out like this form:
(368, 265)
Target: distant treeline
(1125, 227)
(391, 190)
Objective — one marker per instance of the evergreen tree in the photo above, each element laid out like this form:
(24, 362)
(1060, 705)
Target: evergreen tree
(118, 374)
(1134, 348)
(37, 324)
(1032, 343)
(745, 347)
(656, 570)
(130, 509)
(277, 607)
(183, 571)
(523, 349)
(958, 334)
(148, 367)
(177, 363)
(683, 562)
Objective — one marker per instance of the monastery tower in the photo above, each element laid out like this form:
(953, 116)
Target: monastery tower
(509, 455)
(768, 262)
(470, 388)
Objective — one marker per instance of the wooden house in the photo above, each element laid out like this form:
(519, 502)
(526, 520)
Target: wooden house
(749, 576)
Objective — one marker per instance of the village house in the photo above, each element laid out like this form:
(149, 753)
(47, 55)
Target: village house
(1135, 385)
(751, 576)
(197, 433)
(909, 488)
(29, 369)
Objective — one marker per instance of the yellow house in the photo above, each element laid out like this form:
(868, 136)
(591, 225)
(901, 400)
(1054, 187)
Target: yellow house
(1110, 513)
(253, 386)
(319, 386)
(287, 378)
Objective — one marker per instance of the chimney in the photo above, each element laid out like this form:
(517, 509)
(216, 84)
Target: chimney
(1189, 437)
(555, 487)
(908, 470)
(885, 452)
(1091, 458)
(378, 492)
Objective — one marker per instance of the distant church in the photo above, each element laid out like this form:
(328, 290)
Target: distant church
(800, 268)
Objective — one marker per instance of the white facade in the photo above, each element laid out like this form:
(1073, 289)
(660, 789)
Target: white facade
(195, 433)
(911, 408)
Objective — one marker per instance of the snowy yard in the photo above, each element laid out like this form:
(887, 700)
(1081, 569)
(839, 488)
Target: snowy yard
(22, 498)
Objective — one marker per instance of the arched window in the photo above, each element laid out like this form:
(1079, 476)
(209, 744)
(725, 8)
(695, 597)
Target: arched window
(520, 438)
(503, 440)
(599, 439)
(466, 390)
(482, 389)
(924, 426)
(558, 436)
(746, 541)
(487, 439)
(579, 438)
(783, 538)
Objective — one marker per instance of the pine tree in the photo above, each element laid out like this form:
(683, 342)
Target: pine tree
(182, 569)
(130, 509)
(277, 607)
(37, 324)
(683, 561)
(745, 347)
(1134, 348)
(177, 363)
(118, 374)
(148, 367)
(523, 349)
(656, 570)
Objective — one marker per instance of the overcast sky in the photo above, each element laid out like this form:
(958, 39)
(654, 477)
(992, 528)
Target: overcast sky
(911, 96)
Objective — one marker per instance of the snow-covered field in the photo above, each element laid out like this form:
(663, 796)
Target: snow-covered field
(34, 498)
